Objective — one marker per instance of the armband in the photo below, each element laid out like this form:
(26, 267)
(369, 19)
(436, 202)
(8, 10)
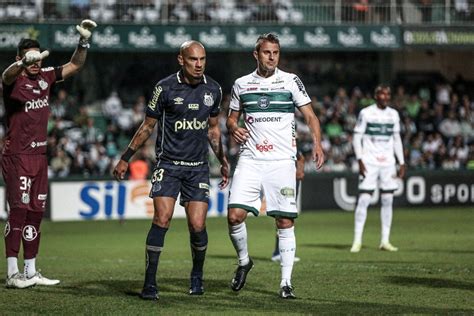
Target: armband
(128, 154)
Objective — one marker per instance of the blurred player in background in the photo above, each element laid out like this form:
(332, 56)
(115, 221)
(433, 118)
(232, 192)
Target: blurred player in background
(26, 91)
(186, 104)
(376, 143)
(268, 98)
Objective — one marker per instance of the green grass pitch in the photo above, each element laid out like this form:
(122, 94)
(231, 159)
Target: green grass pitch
(101, 265)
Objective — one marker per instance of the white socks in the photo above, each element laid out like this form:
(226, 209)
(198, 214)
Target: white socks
(238, 235)
(12, 263)
(30, 267)
(360, 216)
(386, 216)
(287, 245)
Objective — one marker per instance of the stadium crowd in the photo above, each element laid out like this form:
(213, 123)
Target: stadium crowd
(236, 11)
(437, 130)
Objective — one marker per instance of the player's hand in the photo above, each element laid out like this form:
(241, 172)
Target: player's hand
(401, 171)
(362, 169)
(225, 175)
(318, 155)
(85, 28)
(33, 56)
(240, 135)
(120, 170)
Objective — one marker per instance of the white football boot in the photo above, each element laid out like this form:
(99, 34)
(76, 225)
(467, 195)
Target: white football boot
(18, 281)
(388, 247)
(41, 280)
(356, 247)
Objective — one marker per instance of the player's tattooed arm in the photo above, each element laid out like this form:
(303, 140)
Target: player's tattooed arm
(77, 61)
(143, 133)
(215, 140)
(11, 73)
(140, 137)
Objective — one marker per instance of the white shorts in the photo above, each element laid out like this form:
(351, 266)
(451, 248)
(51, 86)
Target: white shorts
(385, 176)
(277, 179)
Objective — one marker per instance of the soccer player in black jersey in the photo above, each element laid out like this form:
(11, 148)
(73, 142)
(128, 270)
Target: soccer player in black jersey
(185, 105)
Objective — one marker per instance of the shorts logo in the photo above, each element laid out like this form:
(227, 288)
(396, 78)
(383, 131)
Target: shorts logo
(208, 99)
(42, 197)
(25, 198)
(263, 102)
(7, 229)
(287, 192)
(29, 233)
(204, 186)
(43, 84)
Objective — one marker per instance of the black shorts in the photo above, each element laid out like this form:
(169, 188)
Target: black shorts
(193, 185)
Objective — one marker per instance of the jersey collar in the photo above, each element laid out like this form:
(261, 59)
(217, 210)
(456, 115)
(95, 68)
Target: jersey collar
(256, 75)
(180, 78)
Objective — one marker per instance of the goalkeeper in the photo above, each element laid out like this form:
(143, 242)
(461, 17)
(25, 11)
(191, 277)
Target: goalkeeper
(26, 91)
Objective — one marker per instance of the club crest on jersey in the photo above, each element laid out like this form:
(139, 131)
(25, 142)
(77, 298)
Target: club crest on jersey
(25, 198)
(263, 102)
(30, 233)
(208, 99)
(43, 84)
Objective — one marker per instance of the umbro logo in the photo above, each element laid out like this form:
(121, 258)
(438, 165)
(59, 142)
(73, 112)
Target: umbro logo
(178, 100)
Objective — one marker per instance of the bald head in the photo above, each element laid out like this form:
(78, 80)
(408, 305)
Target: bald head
(192, 59)
(186, 46)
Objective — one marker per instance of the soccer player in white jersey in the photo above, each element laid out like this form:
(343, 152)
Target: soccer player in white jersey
(267, 98)
(376, 143)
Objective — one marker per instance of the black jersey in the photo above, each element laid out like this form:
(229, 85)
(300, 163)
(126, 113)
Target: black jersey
(182, 111)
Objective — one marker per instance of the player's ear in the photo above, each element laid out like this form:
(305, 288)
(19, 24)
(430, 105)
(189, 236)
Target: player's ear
(255, 54)
(180, 60)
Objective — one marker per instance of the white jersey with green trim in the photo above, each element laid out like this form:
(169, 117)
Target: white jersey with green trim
(268, 106)
(377, 127)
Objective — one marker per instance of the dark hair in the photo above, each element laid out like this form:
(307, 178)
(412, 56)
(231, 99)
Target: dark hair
(267, 37)
(26, 43)
(381, 87)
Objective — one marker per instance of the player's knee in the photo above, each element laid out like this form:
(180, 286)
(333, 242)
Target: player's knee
(283, 223)
(162, 221)
(386, 199)
(364, 200)
(235, 217)
(197, 226)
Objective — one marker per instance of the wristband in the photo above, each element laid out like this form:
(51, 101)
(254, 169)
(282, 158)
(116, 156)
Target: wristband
(84, 43)
(128, 154)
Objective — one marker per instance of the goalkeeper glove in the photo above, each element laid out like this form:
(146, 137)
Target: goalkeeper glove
(85, 29)
(32, 57)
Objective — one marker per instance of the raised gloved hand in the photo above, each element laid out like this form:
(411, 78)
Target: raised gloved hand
(32, 57)
(85, 29)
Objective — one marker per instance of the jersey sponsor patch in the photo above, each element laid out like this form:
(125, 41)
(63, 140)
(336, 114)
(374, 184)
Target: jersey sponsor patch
(193, 106)
(154, 99)
(300, 85)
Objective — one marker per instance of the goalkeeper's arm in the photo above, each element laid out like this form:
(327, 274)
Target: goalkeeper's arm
(14, 70)
(79, 56)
